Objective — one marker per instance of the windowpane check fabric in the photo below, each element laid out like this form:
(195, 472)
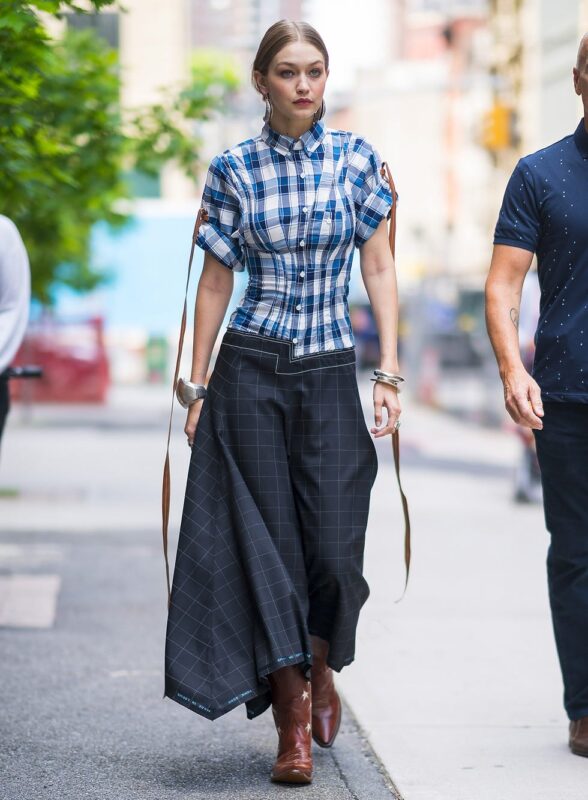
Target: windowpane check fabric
(271, 541)
(291, 211)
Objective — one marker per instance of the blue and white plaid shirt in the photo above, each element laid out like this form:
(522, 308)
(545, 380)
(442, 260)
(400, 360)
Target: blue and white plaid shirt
(291, 211)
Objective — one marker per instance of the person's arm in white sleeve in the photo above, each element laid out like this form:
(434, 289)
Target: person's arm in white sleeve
(15, 291)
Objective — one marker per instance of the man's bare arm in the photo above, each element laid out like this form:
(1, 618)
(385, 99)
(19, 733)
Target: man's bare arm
(504, 285)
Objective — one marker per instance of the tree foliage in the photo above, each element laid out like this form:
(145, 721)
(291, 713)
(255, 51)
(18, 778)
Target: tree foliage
(65, 143)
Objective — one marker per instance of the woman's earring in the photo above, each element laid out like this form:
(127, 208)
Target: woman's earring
(268, 108)
(321, 111)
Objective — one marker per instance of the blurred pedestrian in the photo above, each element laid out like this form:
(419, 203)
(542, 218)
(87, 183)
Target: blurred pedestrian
(15, 292)
(544, 212)
(268, 581)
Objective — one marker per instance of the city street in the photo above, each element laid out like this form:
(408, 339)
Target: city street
(456, 688)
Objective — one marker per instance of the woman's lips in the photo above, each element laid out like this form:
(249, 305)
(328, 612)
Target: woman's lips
(302, 102)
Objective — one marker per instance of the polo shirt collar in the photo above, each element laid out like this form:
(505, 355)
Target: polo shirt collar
(581, 139)
(309, 140)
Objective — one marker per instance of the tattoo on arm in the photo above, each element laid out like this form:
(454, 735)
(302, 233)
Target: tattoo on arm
(514, 315)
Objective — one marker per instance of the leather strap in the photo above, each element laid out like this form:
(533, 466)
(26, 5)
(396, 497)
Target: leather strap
(385, 173)
(202, 216)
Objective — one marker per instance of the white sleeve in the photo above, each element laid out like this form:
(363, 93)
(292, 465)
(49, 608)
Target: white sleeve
(15, 291)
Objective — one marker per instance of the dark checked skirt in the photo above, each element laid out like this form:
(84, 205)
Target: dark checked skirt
(271, 541)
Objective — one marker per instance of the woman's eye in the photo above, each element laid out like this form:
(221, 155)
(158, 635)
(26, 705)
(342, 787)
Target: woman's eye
(286, 72)
(317, 72)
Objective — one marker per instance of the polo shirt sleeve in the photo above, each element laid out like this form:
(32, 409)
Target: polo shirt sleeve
(372, 194)
(221, 235)
(519, 222)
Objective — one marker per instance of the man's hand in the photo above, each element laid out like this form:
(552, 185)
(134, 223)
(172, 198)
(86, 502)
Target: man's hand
(522, 398)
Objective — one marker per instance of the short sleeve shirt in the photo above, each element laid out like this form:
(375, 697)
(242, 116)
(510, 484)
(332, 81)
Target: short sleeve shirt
(545, 211)
(290, 212)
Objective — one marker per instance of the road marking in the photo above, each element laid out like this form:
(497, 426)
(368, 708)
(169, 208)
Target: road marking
(28, 601)
(132, 673)
(30, 554)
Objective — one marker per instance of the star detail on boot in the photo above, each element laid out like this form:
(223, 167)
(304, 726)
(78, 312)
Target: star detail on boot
(308, 728)
(305, 695)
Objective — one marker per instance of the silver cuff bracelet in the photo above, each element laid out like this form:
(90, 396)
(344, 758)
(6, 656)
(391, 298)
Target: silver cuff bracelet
(188, 392)
(391, 378)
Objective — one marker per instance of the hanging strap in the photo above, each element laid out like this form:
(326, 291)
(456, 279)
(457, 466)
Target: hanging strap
(166, 490)
(385, 173)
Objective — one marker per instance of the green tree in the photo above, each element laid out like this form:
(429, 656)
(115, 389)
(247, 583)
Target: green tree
(66, 145)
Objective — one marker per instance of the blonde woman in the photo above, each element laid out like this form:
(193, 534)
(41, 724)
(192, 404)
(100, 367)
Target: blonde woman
(268, 582)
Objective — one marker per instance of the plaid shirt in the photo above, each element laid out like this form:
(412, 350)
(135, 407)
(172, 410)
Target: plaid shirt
(292, 211)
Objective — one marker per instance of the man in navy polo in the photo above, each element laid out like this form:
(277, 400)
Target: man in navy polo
(545, 212)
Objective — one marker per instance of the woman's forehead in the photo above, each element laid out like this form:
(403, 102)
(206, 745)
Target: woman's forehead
(299, 54)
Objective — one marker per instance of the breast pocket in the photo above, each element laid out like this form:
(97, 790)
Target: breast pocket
(332, 222)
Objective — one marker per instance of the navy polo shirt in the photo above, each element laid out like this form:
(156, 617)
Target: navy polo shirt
(545, 210)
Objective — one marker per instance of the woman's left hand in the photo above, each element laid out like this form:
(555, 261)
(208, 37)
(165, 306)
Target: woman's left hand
(386, 396)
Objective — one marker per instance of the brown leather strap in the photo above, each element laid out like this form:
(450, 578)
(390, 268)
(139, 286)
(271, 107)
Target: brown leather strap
(166, 487)
(385, 172)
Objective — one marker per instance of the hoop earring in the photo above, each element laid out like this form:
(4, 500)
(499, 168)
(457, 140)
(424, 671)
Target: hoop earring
(268, 108)
(320, 113)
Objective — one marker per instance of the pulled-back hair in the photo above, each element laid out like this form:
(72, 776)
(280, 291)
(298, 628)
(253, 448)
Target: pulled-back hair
(280, 34)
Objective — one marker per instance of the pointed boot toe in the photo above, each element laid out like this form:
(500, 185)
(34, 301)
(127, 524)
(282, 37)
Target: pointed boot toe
(326, 703)
(326, 721)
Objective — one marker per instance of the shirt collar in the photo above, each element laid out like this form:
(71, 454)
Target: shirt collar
(309, 140)
(581, 139)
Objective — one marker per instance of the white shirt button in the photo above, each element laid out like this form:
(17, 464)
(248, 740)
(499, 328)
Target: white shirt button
(302, 274)
(295, 340)
(298, 307)
(305, 209)
(302, 243)
(302, 174)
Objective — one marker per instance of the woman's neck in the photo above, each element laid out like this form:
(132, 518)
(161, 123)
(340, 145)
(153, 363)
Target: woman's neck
(290, 127)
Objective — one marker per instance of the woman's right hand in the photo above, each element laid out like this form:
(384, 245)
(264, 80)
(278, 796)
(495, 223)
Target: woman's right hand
(192, 421)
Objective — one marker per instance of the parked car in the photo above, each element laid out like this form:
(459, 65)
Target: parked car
(72, 356)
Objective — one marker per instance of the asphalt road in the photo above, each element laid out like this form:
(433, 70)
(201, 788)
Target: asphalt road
(82, 709)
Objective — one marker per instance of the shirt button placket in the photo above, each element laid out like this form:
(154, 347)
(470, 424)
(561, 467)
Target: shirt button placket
(302, 228)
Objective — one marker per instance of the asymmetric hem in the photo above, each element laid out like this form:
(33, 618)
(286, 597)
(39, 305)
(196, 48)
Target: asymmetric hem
(273, 527)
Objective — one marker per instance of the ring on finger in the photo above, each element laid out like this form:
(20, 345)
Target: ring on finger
(396, 425)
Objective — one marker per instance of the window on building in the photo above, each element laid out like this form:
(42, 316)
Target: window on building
(104, 24)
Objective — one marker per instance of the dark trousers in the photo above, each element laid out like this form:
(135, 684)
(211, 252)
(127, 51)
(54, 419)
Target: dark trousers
(562, 450)
(4, 404)
(270, 549)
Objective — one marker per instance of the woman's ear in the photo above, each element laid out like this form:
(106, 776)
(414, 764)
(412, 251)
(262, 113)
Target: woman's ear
(259, 82)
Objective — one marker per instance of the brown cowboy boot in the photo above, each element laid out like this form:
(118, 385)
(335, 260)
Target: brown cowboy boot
(291, 706)
(326, 703)
(579, 736)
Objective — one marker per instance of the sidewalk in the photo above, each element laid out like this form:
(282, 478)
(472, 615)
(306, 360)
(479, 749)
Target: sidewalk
(458, 686)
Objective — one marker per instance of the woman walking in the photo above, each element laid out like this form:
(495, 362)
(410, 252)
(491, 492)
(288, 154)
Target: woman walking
(268, 583)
